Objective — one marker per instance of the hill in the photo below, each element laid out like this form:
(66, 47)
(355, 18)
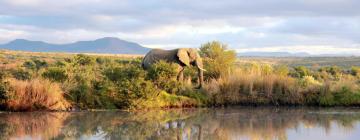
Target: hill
(108, 45)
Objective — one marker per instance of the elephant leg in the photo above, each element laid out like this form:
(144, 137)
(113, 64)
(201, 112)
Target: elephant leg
(180, 76)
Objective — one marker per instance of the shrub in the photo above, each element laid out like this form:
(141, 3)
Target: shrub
(82, 60)
(21, 74)
(300, 72)
(355, 70)
(35, 64)
(131, 86)
(217, 59)
(281, 70)
(334, 71)
(35, 94)
(306, 81)
(163, 75)
(55, 74)
(40, 64)
(4, 89)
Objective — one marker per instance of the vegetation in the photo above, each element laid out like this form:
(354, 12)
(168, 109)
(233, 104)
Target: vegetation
(58, 82)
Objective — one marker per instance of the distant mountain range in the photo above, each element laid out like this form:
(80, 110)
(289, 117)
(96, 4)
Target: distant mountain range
(108, 45)
(112, 45)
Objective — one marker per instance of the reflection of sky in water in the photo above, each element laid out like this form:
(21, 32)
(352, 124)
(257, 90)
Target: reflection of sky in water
(188, 124)
(336, 132)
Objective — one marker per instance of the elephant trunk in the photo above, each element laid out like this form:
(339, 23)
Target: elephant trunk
(201, 70)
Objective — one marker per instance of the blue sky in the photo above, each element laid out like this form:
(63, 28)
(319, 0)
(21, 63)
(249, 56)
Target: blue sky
(313, 26)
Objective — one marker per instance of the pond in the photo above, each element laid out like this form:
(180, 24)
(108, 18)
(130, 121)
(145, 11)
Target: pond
(249, 123)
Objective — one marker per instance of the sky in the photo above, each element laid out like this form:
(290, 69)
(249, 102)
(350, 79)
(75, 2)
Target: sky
(312, 26)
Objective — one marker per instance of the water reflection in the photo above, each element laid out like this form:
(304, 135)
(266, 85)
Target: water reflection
(187, 124)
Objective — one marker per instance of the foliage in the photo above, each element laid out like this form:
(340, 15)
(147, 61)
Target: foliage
(21, 74)
(55, 74)
(218, 59)
(83, 60)
(163, 75)
(35, 64)
(306, 81)
(109, 82)
(300, 72)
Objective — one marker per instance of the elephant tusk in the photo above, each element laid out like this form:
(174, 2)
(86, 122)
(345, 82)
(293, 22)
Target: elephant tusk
(202, 69)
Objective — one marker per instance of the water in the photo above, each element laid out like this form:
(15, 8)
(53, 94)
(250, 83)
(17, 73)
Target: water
(220, 123)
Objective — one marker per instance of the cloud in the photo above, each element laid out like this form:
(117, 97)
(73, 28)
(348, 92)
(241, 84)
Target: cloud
(244, 25)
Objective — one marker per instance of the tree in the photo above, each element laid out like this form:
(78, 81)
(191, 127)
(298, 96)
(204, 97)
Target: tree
(217, 58)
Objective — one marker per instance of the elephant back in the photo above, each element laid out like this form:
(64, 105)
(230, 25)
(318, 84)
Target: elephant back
(156, 55)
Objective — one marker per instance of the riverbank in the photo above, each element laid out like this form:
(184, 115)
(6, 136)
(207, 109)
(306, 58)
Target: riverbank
(63, 82)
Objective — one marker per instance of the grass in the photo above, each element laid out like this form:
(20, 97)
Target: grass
(37, 94)
(251, 86)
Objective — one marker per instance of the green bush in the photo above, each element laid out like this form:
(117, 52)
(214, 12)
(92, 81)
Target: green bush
(4, 87)
(300, 72)
(55, 74)
(218, 59)
(21, 74)
(355, 71)
(282, 70)
(131, 86)
(163, 75)
(334, 71)
(82, 60)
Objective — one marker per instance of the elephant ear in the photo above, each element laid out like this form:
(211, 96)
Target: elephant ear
(184, 56)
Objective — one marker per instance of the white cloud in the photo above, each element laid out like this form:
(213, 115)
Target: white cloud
(320, 26)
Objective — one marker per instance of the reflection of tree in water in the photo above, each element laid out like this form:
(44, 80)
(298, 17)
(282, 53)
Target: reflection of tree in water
(258, 123)
(38, 125)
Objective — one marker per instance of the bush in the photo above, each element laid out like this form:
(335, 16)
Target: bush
(82, 60)
(34, 95)
(163, 75)
(21, 74)
(4, 89)
(55, 74)
(300, 72)
(355, 71)
(131, 86)
(306, 81)
(217, 59)
(334, 71)
(281, 70)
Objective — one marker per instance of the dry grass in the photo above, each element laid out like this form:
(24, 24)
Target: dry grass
(253, 87)
(35, 94)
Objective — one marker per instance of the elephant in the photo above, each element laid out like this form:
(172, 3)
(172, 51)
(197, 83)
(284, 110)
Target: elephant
(183, 57)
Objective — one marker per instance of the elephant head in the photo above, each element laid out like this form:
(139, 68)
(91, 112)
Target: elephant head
(190, 56)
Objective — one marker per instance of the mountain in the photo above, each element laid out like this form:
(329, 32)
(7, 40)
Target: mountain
(274, 54)
(109, 45)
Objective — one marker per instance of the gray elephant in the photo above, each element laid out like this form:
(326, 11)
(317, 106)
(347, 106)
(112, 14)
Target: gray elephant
(182, 56)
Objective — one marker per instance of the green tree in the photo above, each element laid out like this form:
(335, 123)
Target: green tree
(217, 58)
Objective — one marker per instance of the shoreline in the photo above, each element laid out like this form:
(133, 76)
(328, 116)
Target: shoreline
(190, 108)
